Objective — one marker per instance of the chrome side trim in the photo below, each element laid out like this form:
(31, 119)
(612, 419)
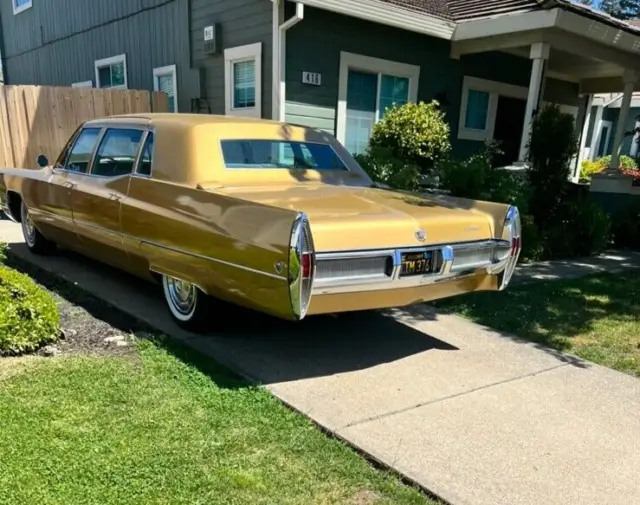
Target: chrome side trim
(209, 258)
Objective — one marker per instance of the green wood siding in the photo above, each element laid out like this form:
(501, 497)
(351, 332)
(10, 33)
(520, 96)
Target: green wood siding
(314, 45)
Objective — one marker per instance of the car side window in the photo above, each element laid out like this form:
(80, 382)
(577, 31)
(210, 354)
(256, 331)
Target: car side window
(80, 154)
(117, 152)
(146, 158)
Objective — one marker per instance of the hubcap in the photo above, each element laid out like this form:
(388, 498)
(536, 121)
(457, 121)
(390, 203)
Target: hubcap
(182, 295)
(28, 228)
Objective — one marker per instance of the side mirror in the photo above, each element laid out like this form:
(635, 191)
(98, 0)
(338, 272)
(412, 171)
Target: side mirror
(42, 161)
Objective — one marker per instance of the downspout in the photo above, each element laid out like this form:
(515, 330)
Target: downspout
(280, 54)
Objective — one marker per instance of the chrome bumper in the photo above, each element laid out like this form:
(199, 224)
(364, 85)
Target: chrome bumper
(374, 270)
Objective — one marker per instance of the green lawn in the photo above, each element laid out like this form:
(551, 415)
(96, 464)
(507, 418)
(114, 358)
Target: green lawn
(595, 317)
(166, 426)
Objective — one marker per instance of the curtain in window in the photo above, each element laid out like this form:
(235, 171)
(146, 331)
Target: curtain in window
(244, 84)
(477, 110)
(361, 110)
(393, 91)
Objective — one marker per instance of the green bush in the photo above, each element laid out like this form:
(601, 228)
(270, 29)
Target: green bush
(626, 226)
(582, 228)
(533, 247)
(589, 168)
(416, 133)
(29, 317)
(552, 144)
(382, 166)
(476, 178)
(626, 162)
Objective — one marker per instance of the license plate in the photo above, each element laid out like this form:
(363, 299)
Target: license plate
(416, 264)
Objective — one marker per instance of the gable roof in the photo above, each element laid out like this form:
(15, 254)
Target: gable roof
(468, 10)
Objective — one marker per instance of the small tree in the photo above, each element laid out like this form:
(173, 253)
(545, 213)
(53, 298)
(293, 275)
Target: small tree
(552, 144)
(415, 133)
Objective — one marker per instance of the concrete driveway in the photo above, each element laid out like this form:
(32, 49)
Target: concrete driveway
(474, 416)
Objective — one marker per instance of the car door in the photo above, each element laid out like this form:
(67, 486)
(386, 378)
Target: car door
(50, 200)
(97, 196)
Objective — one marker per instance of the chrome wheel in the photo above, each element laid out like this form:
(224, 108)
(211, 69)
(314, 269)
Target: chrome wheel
(28, 228)
(181, 296)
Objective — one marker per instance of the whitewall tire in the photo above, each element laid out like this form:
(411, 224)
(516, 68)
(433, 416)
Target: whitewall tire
(187, 304)
(35, 241)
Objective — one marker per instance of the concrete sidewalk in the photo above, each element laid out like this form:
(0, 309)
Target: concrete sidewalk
(474, 416)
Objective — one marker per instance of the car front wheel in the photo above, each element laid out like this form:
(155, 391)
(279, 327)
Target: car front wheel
(36, 242)
(187, 304)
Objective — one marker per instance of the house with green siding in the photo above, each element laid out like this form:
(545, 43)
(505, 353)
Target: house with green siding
(337, 65)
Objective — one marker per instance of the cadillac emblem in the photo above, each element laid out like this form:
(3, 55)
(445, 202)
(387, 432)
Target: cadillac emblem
(421, 235)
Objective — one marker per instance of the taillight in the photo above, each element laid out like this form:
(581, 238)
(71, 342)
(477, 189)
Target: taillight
(511, 233)
(302, 260)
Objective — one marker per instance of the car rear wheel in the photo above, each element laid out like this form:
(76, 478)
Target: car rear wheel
(36, 242)
(187, 304)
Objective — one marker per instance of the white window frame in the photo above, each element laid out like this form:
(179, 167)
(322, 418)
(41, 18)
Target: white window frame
(351, 61)
(98, 64)
(240, 54)
(18, 9)
(495, 89)
(607, 139)
(167, 70)
(82, 84)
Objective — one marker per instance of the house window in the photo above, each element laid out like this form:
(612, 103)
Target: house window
(243, 80)
(633, 150)
(604, 138)
(20, 5)
(165, 80)
(477, 110)
(112, 72)
(82, 84)
(367, 88)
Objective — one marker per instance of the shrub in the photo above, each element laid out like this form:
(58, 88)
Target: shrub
(552, 145)
(416, 133)
(626, 226)
(533, 248)
(383, 167)
(582, 228)
(626, 162)
(589, 168)
(476, 178)
(29, 317)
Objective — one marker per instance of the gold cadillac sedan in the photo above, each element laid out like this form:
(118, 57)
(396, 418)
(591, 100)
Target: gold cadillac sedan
(274, 217)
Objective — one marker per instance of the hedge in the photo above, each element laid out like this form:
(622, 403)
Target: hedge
(29, 317)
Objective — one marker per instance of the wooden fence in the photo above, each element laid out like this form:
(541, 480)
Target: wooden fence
(40, 119)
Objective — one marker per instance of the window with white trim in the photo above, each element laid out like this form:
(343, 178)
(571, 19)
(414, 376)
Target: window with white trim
(82, 84)
(165, 80)
(479, 106)
(21, 5)
(111, 73)
(367, 88)
(243, 80)
(633, 149)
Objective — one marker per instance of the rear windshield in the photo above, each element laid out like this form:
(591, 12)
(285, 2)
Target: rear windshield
(271, 154)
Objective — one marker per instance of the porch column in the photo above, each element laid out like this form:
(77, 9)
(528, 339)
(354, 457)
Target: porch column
(630, 79)
(583, 137)
(539, 54)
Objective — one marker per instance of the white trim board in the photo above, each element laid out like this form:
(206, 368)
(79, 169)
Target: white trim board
(167, 70)
(239, 54)
(18, 9)
(104, 62)
(388, 14)
(82, 84)
(350, 61)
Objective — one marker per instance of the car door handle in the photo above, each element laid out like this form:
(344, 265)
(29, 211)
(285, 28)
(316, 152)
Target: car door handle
(115, 196)
(70, 185)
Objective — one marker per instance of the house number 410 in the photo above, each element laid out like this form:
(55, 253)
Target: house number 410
(311, 78)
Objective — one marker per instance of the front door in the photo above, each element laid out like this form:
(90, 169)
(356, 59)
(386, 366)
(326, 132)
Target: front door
(97, 195)
(508, 129)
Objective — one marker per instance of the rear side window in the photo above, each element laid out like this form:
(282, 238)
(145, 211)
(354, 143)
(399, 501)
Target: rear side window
(117, 153)
(146, 158)
(280, 154)
(80, 154)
